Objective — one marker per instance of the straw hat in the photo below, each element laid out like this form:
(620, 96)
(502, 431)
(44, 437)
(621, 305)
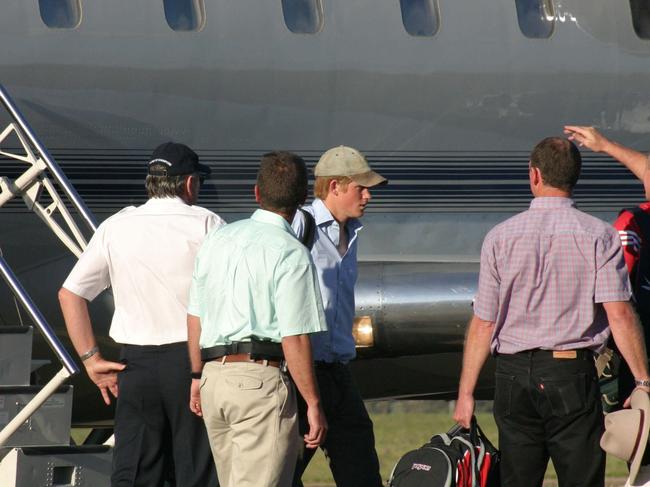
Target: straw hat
(626, 432)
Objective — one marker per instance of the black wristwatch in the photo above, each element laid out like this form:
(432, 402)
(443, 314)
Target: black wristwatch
(196, 375)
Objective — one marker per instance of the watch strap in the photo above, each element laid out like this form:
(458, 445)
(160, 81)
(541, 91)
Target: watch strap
(89, 353)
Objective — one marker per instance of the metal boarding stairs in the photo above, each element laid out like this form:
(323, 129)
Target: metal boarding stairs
(35, 421)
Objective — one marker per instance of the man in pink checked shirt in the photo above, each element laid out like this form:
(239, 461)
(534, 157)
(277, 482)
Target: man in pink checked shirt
(552, 288)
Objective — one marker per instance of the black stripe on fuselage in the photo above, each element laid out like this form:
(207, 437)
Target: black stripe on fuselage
(418, 181)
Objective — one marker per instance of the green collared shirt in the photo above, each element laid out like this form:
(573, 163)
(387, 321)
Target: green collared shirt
(254, 278)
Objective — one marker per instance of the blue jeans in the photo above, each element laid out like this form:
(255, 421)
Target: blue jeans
(545, 408)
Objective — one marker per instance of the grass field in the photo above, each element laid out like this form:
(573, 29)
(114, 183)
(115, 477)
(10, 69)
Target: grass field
(404, 427)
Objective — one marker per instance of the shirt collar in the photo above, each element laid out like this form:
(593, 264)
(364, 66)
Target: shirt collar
(323, 215)
(171, 200)
(264, 216)
(552, 202)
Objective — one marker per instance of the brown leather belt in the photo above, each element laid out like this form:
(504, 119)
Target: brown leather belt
(245, 357)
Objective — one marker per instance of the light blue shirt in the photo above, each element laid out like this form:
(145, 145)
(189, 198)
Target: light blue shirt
(254, 278)
(337, 276)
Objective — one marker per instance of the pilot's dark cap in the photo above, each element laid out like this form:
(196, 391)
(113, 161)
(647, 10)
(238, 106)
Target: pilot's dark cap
(172, 159)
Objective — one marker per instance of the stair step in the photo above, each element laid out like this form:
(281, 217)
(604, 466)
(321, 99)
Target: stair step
(78, 466)
(15, 355)
(48, 426)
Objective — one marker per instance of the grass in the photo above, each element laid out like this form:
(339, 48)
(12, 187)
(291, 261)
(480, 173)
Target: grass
(397, 432)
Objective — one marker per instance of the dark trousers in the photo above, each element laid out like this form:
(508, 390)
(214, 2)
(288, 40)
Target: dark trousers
(157, 437)
(547, 407)
(625, 382)
(350, 443)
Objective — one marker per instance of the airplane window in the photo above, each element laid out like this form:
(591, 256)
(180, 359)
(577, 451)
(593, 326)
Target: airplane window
(60, 14)
(420, 17)
(641, 17)
(184, 15)
(303, 16)
(536, 18)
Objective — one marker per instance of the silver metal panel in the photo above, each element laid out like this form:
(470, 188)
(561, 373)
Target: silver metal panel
(416, 307)
(48, 426)
(58, 467)
(15, 355)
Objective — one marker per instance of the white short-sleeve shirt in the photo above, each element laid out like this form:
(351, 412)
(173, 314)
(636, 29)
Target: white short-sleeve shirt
(146, 254)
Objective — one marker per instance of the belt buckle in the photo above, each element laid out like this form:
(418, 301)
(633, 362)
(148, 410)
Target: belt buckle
(565, 354)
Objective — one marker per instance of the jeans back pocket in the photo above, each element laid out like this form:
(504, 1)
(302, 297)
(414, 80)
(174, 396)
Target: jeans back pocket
(566, 395)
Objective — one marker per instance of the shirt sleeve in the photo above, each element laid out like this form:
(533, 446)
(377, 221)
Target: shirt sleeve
(91, 275)
(298, 224)
(194, 303)
(612, 281)
(486, 304)
(630, 236)
(300, 308)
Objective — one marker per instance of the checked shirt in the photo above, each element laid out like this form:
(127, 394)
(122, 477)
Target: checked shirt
(544, 273)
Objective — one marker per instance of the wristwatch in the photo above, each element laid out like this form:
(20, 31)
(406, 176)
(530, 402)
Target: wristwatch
(197, 375)
(642, 382)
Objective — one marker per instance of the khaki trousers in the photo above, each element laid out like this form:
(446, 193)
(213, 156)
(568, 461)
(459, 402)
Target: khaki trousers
(251, 417)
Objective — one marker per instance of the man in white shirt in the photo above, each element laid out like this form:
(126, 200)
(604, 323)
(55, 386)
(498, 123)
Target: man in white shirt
(146, 254)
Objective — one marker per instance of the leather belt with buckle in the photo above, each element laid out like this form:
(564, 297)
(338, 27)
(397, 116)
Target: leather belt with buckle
(246, 357)
(580, 354)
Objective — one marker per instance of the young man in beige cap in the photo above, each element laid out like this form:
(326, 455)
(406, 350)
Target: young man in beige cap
(342, 192)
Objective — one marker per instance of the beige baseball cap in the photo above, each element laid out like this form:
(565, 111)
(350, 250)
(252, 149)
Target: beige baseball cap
(346, 161)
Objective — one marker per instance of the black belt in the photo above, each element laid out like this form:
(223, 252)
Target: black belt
(258, 350)
(155, 348)
(576, 354)
(320, 364)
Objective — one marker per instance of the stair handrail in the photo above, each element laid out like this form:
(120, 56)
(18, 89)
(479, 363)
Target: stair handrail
(37, 317)
(54, 168)
(69, 366)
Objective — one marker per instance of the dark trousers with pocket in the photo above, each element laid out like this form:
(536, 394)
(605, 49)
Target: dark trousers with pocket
(157, 437)
(350, 443)
(545, 408)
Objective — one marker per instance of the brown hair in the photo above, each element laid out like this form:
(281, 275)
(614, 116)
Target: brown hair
(559, 162)
(282, 181)
(322, 185)
(165, 186)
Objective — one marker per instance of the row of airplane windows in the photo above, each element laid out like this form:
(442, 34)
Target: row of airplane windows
(421, 18)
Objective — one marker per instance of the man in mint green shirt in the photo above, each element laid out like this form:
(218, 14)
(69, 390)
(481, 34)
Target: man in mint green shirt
(254, 299)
